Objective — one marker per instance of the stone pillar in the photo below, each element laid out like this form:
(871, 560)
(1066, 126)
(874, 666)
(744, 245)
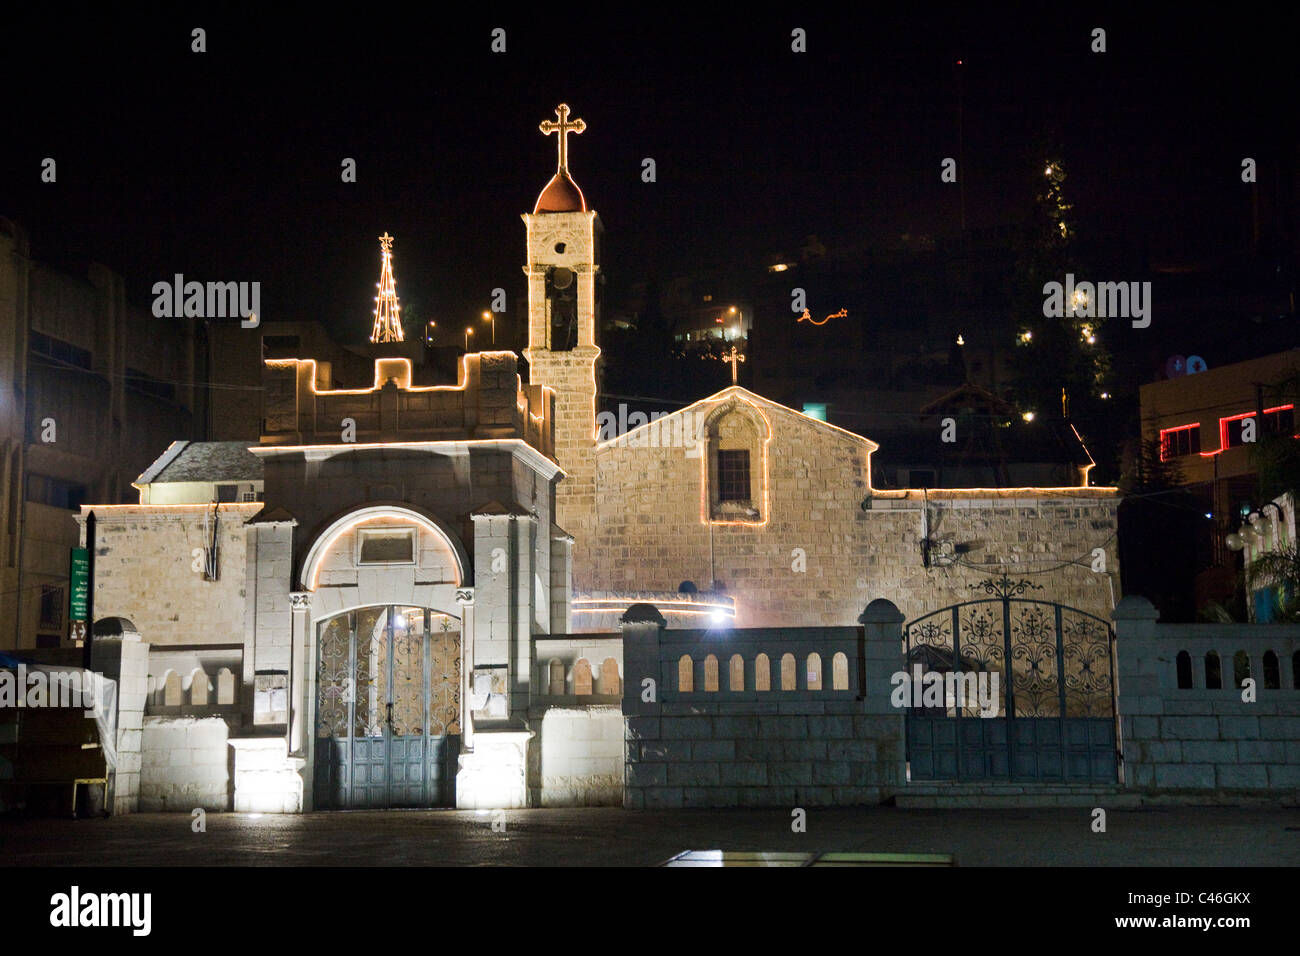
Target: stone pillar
(561, 582)
(882, 657)
(465, 598)
(641, 625)
(125, 658)
(1137, 680)
(882, 651)
(300, 652)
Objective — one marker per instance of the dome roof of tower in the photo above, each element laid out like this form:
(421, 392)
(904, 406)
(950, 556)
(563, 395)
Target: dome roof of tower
(561, 195)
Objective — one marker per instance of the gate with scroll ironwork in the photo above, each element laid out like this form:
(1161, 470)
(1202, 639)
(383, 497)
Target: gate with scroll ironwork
(1052, 718)
(387, 709)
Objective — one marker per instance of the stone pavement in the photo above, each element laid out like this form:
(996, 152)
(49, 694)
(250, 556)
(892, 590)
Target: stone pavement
(1176, 836)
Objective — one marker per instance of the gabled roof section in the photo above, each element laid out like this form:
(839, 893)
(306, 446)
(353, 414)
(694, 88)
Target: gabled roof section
(272, 515)
(969, 395)
(203, 461)
(706, 405)
(161, 462)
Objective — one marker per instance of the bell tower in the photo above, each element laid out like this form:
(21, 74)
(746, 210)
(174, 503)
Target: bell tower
(563, 262)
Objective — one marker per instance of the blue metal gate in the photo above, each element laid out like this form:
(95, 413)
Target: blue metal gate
(387, 709)
(1053, 720)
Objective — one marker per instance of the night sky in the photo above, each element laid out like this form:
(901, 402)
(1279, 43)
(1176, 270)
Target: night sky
(226, 165)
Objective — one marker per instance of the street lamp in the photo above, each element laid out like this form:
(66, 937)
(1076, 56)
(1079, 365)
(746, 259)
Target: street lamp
(489, 317)
(469, 330)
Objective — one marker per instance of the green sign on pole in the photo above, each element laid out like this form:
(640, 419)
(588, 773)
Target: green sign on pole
(79, 573)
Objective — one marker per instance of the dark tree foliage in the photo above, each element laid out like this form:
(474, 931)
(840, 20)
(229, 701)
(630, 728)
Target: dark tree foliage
(1056, 357)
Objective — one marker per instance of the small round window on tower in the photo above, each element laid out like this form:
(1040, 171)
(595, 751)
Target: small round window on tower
(559, 247)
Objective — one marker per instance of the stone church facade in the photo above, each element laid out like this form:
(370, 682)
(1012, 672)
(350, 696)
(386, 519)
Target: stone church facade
(429, 605)
(765, 514)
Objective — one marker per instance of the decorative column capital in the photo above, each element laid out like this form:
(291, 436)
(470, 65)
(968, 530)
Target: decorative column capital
(465, 597)
(300, 600)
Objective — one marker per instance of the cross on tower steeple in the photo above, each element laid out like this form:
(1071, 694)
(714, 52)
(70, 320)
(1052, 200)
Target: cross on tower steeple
(562, 129)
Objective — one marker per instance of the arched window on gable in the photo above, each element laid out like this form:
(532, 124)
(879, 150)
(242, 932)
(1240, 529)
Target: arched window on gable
(736, 435)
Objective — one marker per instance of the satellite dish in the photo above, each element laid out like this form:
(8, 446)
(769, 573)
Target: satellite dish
(1195, 364)
(562, 278)
(1176, 367)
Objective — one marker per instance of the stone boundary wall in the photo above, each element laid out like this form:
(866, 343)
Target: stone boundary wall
(581, 758)
(186, 764)
(1199, 738)
(569, 650)
(786, 748)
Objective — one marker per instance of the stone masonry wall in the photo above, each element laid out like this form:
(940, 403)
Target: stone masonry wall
(1202, 739)
(581, 751)
(186, 764)
(649, 532)
(143, 571)
(787, 748)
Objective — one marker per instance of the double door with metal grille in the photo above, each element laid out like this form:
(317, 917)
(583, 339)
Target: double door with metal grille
(387, 709)
(1049, 712)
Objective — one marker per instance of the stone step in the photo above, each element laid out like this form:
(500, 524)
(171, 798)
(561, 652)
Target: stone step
(1011, 796)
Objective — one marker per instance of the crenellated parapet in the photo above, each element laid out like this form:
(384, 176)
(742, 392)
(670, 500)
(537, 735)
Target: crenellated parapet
(301, 406)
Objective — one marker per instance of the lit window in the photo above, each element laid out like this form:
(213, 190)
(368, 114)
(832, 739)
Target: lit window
(1183, 440)
(733, 474)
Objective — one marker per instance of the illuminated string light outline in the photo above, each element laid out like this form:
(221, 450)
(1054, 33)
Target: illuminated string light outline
(320, 547)
(1223, 427)
(175, 504)
(725, 612)
(739, 391)
(403, 381)
(807, 317)
(667, 607)
(1164, 441)
(1060, 491)
(734, 358)
(388, 310)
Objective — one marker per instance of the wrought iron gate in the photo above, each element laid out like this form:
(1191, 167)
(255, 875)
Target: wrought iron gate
(387, 709)
(1055, 716)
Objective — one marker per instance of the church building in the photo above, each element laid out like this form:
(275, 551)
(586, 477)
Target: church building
(408, 593)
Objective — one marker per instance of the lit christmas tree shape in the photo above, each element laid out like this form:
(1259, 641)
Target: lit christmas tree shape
(388, 311)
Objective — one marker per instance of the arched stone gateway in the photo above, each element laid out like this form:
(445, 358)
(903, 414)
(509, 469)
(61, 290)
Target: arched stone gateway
(388, 708)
